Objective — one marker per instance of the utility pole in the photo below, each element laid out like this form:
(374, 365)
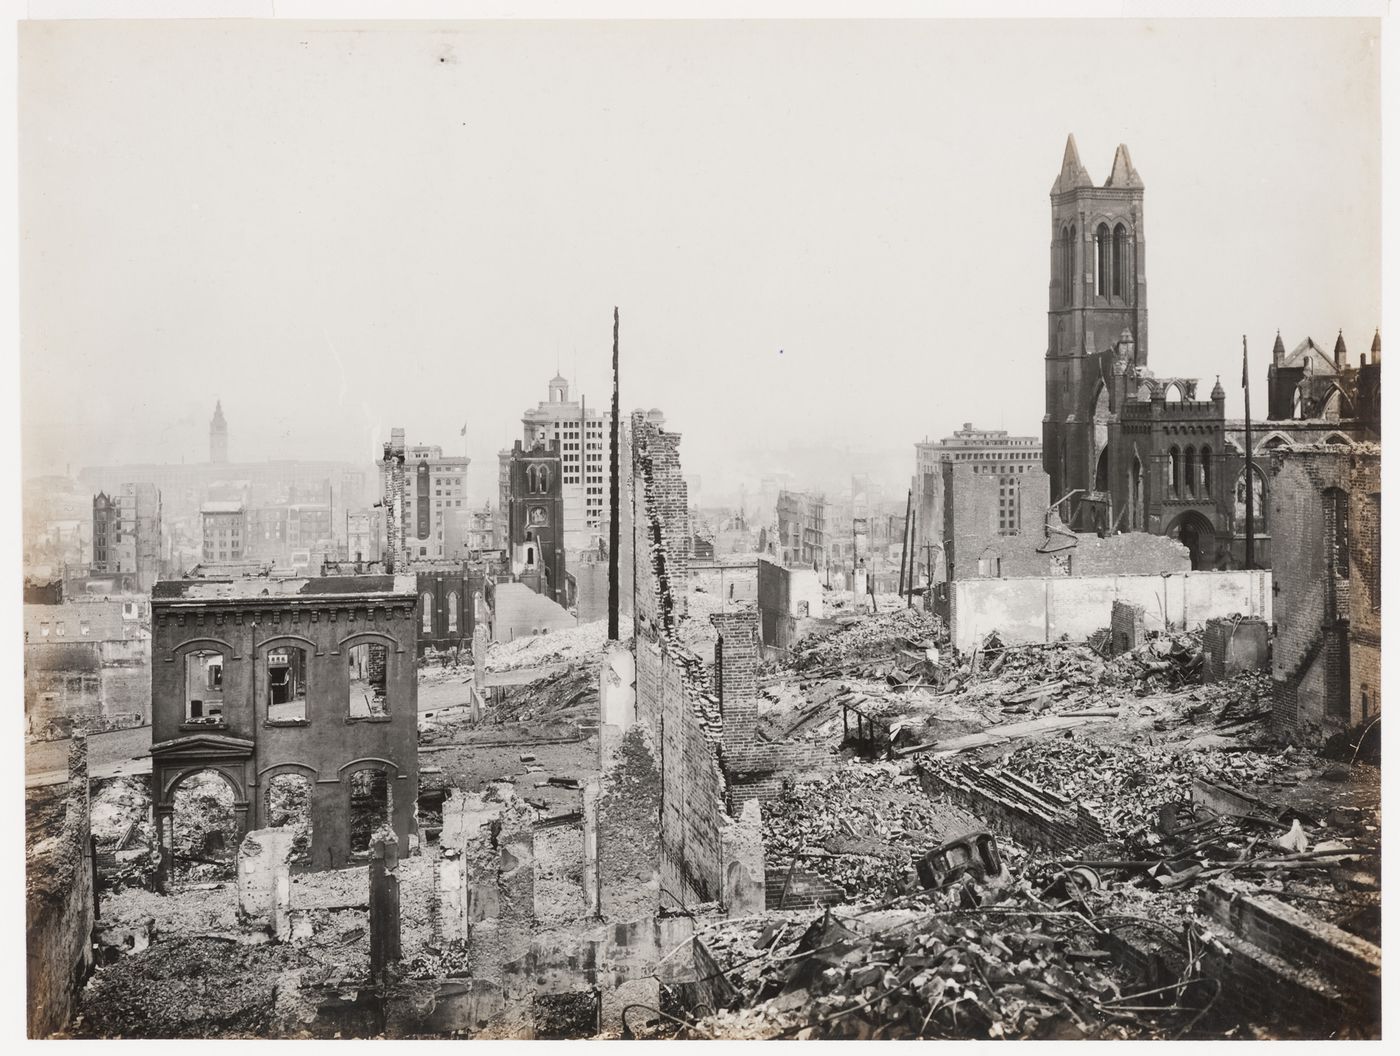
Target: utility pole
(904, 542)
(614, 528)
(1248, 464)
(913, 552)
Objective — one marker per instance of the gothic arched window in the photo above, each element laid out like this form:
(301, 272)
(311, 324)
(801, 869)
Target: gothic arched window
(1103, 251)
(427, 613)
(1189, 472)
(1120, 260)
(1174, 472)
(1205, 472)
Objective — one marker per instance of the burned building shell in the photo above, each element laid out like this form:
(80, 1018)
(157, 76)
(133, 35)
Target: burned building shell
(255, 678)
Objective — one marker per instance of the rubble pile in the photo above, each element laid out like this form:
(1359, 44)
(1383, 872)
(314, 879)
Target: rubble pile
(195, 988)
(582, 644)
(1019, 969)
(1125, 786)
(869, 638)
(568, 696)
(858, 827)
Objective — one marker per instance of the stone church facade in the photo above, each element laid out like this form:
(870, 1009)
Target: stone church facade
(1129, 450)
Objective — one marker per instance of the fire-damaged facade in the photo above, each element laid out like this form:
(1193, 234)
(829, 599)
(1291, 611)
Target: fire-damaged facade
(536, 519)
(257, 678)
(1127, 450)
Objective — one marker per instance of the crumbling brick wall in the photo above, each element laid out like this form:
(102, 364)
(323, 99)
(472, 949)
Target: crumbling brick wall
(1326, 657)
(1030, 814)
(1127, 628)
(59, 904)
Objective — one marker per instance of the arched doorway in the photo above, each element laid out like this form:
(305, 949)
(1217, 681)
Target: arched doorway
(205, 829)
(289, 805)
(1198, 536)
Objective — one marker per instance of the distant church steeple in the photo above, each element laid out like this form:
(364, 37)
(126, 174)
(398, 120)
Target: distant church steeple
(218, 435)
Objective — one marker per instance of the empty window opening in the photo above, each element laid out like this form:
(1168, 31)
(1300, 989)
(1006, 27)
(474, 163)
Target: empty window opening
(289, 806)
(369, 664)
(286, 684)
(1120, 260)
(452, 605)
(1339, 532)
(1174, 472)
(371, 806)
(1190, 471)
(204, 829)
(204, 687)
(427, 600)
(1260, 511)
(1103, 262)
(1206, 468)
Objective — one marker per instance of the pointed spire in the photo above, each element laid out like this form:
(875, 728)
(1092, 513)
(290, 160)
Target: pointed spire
(1279, 352)
(1339, 351)
(1072, 171)
(1123, 174)
(1376, 343)
(1217, 393)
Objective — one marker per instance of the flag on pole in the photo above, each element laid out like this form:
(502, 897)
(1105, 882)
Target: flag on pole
(464, 430)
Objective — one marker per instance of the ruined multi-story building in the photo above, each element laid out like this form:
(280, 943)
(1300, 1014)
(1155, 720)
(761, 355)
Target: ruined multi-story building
(1326, 515)
(434, 486)
(536, 518)
(364, 534)
(802, 523)
(993, 452)
(126, 534)
(1128, 450)
(258, 679)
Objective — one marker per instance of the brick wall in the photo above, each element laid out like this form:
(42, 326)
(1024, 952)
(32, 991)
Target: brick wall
(1326, 660)
(1127, 628)
(1289, 964)
(1030, 814)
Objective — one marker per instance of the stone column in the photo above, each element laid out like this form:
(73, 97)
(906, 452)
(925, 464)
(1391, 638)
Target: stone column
(384, 949)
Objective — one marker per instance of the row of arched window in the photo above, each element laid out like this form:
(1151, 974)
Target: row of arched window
(1111, 256)
(453, 610)
(1187, 477)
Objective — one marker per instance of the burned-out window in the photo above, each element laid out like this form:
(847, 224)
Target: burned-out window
(427, 600)
(1338, 531)
(286, 684)
(368, 694)
(452, 606)
(204, 686)
(371, 807)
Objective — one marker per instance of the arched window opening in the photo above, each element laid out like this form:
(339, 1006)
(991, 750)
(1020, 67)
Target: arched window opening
(1189, 471)
(204, 833)
(371, 807)
(204, 686)
(1120, 260)
(1332, 404)
(286, 684)
(452, 612)
(368, 688)
(1066, 249)
(1173, 393)
(1274, 442)
(1103, 261)
(1261, 513)
(289, 806)
(427, 617)
(1298, 409)
(1174, 472)
(1206, 473)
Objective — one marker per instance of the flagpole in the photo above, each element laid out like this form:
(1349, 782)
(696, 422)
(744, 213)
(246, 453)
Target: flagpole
(614, 503)
(1248, 465)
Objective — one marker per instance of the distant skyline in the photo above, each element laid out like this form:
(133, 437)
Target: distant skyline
(827, 240)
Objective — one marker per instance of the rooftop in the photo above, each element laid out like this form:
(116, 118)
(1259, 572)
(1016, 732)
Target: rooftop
(213, 589)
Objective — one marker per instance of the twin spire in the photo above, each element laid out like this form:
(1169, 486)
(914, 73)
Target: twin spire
(1073, 174)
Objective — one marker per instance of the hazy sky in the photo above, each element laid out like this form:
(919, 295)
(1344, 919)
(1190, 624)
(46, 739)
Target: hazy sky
(822, 236)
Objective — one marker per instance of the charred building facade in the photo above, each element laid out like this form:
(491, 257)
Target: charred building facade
(536, 518)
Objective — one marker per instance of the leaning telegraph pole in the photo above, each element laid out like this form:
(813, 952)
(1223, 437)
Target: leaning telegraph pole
(615, 504)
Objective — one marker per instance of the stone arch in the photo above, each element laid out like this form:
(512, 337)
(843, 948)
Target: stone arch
(1273, 440)
(217, 645)
(1197, 534)
(202, 816)
(1338, 438)
(1261, 500)
(383, 636)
